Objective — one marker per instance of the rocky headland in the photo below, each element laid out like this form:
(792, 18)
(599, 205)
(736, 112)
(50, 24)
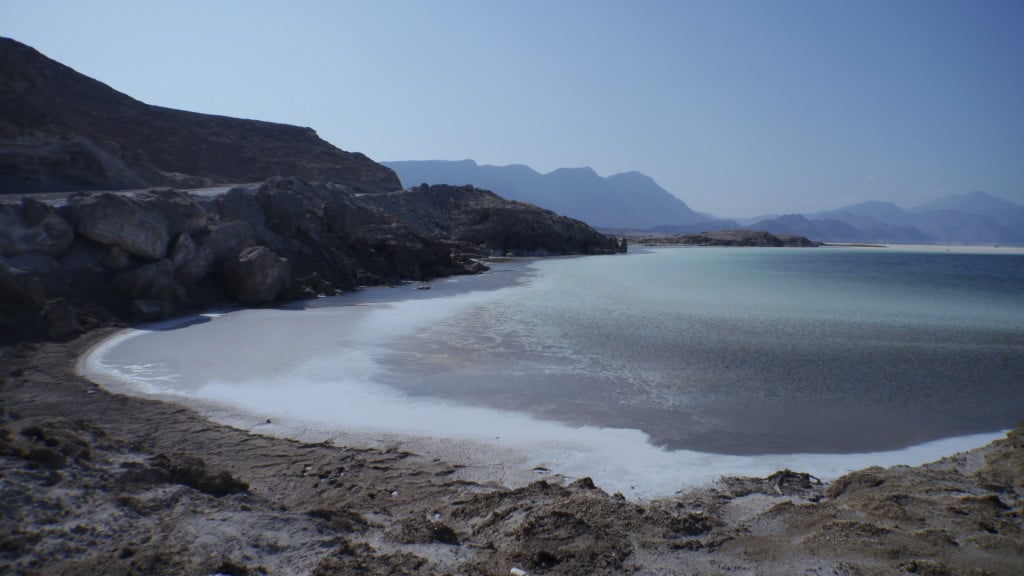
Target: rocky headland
(75, 262)
(484, 219)
(753, 238)
(101, 220)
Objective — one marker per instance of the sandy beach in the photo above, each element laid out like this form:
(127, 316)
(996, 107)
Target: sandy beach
(95, 482)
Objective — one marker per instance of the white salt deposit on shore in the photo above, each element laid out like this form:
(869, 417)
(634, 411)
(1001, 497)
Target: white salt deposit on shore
(310, 375)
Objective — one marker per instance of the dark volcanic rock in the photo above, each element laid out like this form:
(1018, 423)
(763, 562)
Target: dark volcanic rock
(257, 275)
(226, 240)
(117, 259)
(191, 262)
(150, 310)
(60, 130)
(177, 207)
(498, 226)
(59, 319)
(115, 220)
(22, 296)
(33, 227)
(19, 288)
(728, 238)
(152, 282)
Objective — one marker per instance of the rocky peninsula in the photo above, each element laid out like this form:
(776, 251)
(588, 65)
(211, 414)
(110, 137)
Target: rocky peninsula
(104, 224)
(753, 238)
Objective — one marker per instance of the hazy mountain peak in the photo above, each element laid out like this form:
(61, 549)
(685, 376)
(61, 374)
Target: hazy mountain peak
(632, 175)
(585, 171)
(629, 200)
(975, 202)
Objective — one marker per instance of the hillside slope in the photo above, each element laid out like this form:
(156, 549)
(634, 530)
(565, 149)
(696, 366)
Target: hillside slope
(62, 131)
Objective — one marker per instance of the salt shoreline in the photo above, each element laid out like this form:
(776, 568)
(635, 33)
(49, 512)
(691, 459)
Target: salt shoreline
(517, 448)
(326, 509)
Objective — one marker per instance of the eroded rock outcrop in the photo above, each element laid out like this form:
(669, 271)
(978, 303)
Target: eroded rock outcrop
(18, 288)
(153, 281)
(147, 255)
(33, 227)
(117, 220)
(191, 262)
(497, 226)
(257, 275)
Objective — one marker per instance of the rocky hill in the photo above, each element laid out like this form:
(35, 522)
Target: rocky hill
(63, 131)
(630, 200)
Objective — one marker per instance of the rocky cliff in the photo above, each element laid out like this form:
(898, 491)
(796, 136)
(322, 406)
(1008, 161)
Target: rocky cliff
(69, 262)
(63, 131)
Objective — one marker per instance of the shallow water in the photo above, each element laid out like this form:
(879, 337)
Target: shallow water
(646, 371)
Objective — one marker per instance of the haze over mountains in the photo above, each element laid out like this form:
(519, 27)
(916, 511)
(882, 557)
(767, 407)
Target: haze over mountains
(634, 201)
(629, 200)
(969, 218)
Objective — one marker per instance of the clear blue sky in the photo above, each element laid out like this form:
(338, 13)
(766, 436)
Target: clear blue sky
(739, 108)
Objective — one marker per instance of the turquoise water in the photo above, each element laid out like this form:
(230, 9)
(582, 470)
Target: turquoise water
(648, 372)
(743, 351)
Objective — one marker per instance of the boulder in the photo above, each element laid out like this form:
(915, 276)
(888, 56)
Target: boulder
(240, 203)
(117, 259)
(151, 310)
(293, 206)
(49, 271)
(117, 220)
(226, 240)
(34, 211)
(59, 319)
(179, 210)
(191, 262)
(257, 275)
(33, 227)
(151, 282)
(345, 219)
(84, 257)
(20, 288)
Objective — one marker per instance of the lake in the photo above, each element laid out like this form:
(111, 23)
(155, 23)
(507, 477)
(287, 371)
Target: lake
(647, 371)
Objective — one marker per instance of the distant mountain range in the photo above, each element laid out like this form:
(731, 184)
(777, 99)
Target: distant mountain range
(632, 201)
(629, 200)
(970, 218)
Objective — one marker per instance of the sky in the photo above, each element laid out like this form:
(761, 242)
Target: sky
(740, 108)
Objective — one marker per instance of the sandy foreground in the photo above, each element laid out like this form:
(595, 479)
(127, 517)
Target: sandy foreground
(97, 483)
